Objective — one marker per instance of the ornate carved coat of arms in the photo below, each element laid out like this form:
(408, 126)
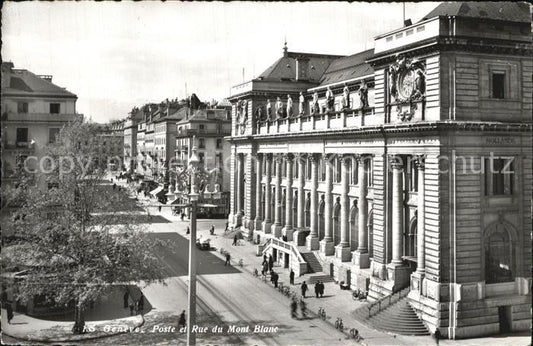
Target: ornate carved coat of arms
(407, 85)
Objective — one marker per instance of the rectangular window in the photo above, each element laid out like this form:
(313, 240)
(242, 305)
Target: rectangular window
(201, 157)
(499, 176)
(498, 85)
(202, 128)
(52, 135)
(22, 107)
(338, 173)
(201, 143)
(219, 143)
(369, 172)
(22, 136)
(355, 171)
(55, 108)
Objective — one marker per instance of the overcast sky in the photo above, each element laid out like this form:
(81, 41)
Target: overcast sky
(118, 55)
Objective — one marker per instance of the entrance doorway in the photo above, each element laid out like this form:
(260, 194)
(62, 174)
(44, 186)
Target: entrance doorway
(506, 318)
(286, 262)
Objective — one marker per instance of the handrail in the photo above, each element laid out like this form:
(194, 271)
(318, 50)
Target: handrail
(386, 301)
(285, 245)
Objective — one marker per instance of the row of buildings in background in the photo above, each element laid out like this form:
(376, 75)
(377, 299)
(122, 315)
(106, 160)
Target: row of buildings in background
(151, 144)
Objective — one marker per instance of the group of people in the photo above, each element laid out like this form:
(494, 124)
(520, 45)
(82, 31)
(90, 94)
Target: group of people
(319, 289)
(136, 306)
(268, 264)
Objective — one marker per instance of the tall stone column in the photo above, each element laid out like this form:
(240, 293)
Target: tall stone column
(299, 234)
(326, 244)
(417, 278)
(258, 192)
(276, 227)
(342, 250)
(397, 212)
(268, 193)
(312, 238)
(288, 229)
(361, 256)
(240, 188)
(301, 192)
(397, 272)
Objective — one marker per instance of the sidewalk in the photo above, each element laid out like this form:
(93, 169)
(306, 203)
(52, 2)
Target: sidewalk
(24, 327)
(339, 303)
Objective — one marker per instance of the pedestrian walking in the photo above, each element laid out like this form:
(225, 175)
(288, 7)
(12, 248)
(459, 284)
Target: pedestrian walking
(234, 240)
(159, 209)
(228, 258)
(9, 310)
(303, 287)
(317, 289)
(188, 230)
(227, 226)
(270, 262)
(182, 322)
(212, 230)
(265, 268)
(126, 299)
(303, 308)
(275, 278)
(182, 216)
(291, 277)
(294, 307)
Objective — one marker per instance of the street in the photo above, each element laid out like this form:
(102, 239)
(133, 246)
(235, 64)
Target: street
(247, 310)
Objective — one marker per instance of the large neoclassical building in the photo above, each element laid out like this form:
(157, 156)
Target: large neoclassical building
(407, 166)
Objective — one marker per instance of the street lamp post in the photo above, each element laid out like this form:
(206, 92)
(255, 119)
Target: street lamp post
(194, 175)
(193, 196)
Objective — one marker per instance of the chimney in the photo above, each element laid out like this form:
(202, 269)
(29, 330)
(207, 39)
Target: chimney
(168, 107)
(302, 68)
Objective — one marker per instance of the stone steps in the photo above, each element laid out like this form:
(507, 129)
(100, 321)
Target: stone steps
(313, 265)
(398, 318)
(324, 278)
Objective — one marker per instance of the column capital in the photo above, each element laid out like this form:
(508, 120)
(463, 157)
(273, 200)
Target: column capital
(420, 162)
(396, 162)
(259, 155)
(289, 157)
(314, 157)
(268, 156)
(278, 158)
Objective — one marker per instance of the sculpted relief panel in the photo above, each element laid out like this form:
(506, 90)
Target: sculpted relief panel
(407, 86)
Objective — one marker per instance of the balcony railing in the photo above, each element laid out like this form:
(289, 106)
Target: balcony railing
(322, 121)
(13, 145)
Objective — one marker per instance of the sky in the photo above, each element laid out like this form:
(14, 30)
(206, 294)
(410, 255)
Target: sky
(117, 55)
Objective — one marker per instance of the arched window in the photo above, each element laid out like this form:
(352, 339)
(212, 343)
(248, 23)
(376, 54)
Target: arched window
(336, 222)
(321, 225)
(499, 254)
(295, 210)
(354, 231)
(410, 239)
(308, 210)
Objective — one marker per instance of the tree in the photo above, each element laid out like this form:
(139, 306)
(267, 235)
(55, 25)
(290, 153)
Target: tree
(75, 236)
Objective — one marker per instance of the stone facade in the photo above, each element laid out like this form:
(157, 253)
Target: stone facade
(414, 171)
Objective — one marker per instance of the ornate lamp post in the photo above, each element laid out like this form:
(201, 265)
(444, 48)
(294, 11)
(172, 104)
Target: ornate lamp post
(193, 176)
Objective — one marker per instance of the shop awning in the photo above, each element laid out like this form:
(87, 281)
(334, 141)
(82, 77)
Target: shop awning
(156, 191)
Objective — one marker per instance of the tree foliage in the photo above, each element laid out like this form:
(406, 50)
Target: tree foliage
(71, 234)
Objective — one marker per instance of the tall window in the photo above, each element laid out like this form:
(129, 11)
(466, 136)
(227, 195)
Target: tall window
(498, 85)
(202, 128)
(22, 107)
(219, 143)
(499, 176)
(22, 136)
(338, 164)
(499, 266)
(369, 172)
(55, 108)
(52, 135)
(354, 172)
(201, 143)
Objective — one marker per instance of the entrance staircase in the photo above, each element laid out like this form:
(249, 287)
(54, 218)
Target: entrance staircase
(397, 316)
(313, 265)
